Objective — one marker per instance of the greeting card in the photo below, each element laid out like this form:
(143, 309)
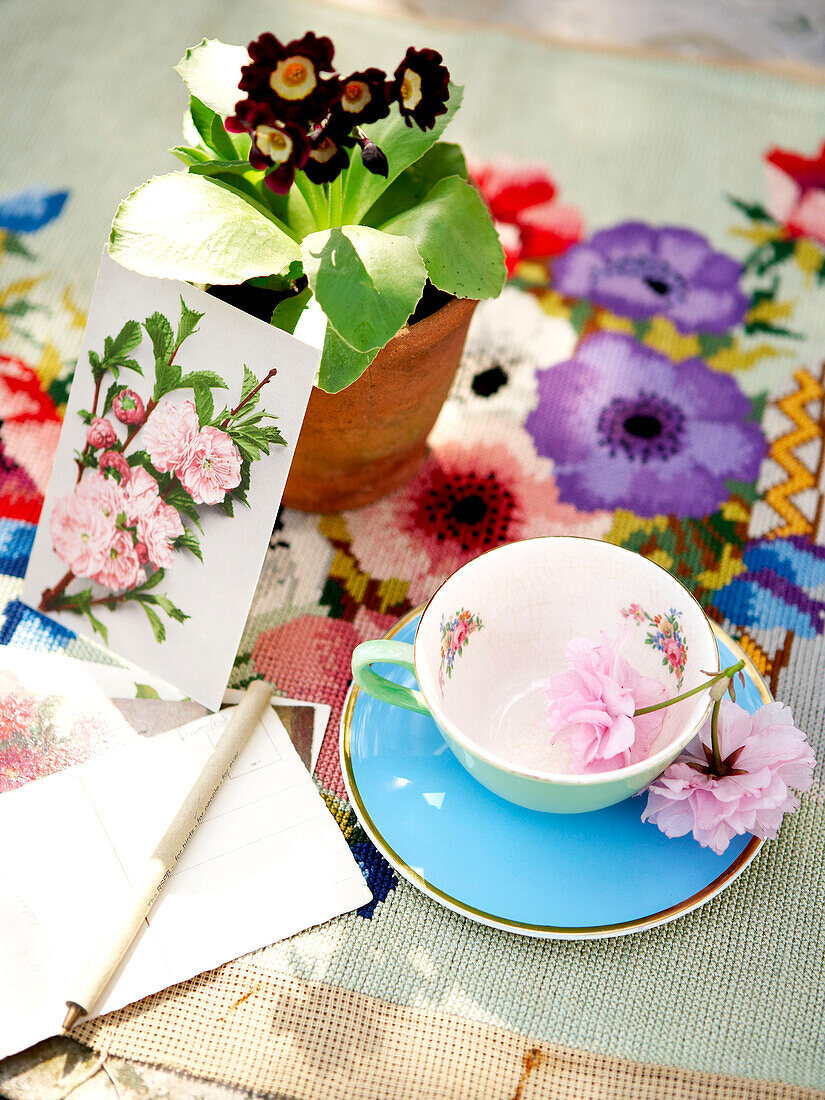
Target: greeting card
(176, 444)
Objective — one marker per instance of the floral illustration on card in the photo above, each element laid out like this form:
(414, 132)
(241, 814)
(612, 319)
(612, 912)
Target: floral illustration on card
(43, 733)
(455, 632)
(665, 635)
(151, 463)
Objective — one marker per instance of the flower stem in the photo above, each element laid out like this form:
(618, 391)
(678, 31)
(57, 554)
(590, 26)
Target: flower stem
(336, 202)
(314, 198)
(248, 398)
(729, 672)
(714, 737)
(48, 598)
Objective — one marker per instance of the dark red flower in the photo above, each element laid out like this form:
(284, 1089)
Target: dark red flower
(363, 100)
(421, 87)
(328, 157)
(289, 77)
(372, 157)
(282, 146)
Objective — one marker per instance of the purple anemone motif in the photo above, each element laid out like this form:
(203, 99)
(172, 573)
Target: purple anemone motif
(638, 271)
(628, 428)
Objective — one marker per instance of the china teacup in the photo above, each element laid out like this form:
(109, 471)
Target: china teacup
(496, 629)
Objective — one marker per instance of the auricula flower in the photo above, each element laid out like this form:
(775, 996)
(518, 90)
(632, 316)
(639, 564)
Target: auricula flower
(283, 147)
(363, 100)
(288, 77)
(421, 87)
(328, 157)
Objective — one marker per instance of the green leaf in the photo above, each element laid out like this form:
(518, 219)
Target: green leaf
(402, 145)
(172, 610)
(126, 340)
(210, 127)
(189, 541)
(197, 379)
(457, 240)
(189, 227)
(191, 154)
(221, 167)
(166, 379)
(285, 315)
(341, 365)
(158, 629)
(153, 581)
(139, 458)
(753, 211)
(15, 247)
(247, 386)
(204, 404)
(178, 498)
(211, 71)
(416, 182)
(145, 691)
(366, 282)
(160, 333)
(188, 324)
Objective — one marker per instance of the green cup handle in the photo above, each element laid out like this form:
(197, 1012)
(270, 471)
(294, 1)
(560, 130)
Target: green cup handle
(392, 653)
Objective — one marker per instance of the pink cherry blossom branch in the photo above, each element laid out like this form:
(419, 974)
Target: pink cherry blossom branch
(51, 595)
(726, 673)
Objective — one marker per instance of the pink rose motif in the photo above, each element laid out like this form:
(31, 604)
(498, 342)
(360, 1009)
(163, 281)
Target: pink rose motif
(100, 434)
(81, 532)
(128, 407)
(591, 706)
(765, 759)
(672, 651)
(158, 530)
(796, 192)
(114, 460)
(459, 634)
(170, 432)
(212, 468)
(120, 569)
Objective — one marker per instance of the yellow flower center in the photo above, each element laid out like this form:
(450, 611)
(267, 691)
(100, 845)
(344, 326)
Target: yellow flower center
(325, 151)
(411, 89)
(356, 96)
(273, 144)
(294, 78)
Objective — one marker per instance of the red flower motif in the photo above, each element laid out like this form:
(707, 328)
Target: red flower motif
(531, 223)
(796, 192)
(29, 430)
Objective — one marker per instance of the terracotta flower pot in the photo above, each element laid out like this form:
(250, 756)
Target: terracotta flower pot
(362, 443)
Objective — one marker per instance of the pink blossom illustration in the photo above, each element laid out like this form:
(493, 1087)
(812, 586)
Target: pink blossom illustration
(141, 474)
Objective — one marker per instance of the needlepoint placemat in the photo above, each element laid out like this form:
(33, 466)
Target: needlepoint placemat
(665, 234)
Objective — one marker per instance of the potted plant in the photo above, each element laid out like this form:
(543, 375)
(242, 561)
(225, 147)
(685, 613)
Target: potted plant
(317, 199)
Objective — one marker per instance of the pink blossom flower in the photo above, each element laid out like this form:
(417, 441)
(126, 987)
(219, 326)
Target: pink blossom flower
(81, 532)
(128, 407)
(103, 492)
(765, 758)
(142, 552)
(120, 568)
(141, 494)
(158, 530)
(212, 467)
(100, 433)
(169, 434)
(114, 460)
(591, 706)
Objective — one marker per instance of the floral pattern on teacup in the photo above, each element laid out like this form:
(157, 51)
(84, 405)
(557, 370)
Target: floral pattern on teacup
(665, 635)
(454, 634)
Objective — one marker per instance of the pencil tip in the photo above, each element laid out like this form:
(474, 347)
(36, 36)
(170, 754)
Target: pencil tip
(73, 1015)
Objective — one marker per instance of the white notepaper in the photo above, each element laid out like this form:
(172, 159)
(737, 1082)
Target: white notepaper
(267, 861)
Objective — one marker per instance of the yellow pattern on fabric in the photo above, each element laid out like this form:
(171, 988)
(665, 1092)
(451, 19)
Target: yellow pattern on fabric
(735, 357)
(663, 336)
(729, 567)
(782, 452)
(50, 366)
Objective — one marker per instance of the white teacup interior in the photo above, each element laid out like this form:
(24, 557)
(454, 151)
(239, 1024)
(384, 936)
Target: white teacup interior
(496, 630)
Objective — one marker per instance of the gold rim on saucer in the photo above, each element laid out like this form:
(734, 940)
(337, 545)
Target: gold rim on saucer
(544, 931)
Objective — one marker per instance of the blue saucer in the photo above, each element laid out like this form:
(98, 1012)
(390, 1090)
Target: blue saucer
(562, 876)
